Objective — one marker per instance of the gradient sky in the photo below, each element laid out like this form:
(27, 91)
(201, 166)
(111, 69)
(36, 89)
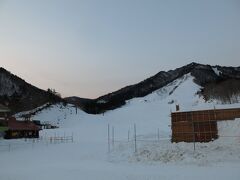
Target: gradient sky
(92, 47)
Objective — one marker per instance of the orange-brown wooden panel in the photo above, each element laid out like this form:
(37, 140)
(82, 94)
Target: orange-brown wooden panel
(197, 131)
(220, 114)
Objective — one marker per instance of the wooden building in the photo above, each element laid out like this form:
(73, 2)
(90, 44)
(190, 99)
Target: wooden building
(10, 128)
(199, 126)
(21, 129)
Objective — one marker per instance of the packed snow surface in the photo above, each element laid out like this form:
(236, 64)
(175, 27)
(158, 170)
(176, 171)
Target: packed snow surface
(87, 156)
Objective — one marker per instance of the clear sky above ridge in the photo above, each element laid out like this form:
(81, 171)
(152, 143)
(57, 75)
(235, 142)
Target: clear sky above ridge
(89, 48)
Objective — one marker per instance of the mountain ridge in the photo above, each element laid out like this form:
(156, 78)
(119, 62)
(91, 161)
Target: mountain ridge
(217, 82)
(205, 76)
(20, 95)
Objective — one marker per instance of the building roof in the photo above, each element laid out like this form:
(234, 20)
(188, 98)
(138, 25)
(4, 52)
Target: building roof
(4, 108)
(13, 124)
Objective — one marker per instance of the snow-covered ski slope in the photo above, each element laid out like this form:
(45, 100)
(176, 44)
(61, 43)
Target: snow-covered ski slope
(88, 158)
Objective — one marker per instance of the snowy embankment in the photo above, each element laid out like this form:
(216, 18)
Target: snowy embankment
(223, 150)
(87, 156)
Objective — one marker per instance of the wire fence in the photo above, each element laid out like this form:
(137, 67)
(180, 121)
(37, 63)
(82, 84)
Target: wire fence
(14, 144)
(135, 140)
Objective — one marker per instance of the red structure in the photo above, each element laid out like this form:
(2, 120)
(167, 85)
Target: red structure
(21, 129)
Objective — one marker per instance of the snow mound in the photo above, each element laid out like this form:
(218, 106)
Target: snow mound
(60, 115)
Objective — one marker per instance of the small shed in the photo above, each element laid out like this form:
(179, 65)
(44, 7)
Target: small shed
(199, 126)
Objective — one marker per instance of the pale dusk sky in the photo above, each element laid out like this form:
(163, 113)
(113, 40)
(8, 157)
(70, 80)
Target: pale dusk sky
(88, 48)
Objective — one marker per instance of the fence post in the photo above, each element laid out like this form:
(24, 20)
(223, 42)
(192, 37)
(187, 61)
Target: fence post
(158, 135)
(33, 143)
(54, 139)
(113, 136)
(194, 144)
(64, 137)
(108, 138)
(45, 136)
(128, 135)
(135, 138)
(72, 137)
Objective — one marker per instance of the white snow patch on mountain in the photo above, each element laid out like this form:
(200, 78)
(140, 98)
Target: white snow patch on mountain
(216, 71)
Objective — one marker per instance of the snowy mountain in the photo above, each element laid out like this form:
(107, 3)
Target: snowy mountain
(216, 83)
(151, 110)
(19, 95)
(221, 83)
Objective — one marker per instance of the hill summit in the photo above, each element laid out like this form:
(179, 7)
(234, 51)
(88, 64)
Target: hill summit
(217, 82)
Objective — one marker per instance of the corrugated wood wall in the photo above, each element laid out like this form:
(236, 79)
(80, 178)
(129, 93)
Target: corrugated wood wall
(199, 126)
